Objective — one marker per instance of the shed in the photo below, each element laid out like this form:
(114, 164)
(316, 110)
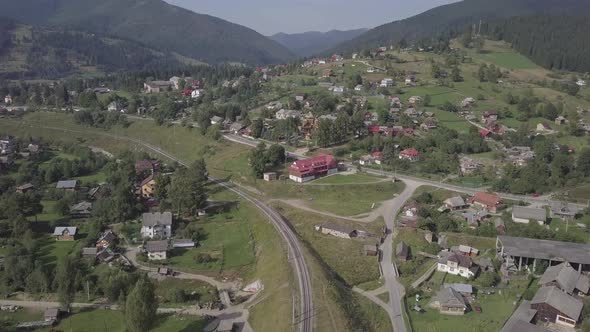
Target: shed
(51, 315)
(371, 250)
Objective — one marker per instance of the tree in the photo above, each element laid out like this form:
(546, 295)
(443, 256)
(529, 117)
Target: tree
(583, 164)
(276, 154)
(66, 281)
(481, 73)
(257, 127)
(427, 100)
(456, 74)
(141, 306)
(488, 279)
(258, 160)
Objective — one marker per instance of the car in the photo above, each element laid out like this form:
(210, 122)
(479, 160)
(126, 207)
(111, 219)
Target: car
(477, 309)
(536, 195)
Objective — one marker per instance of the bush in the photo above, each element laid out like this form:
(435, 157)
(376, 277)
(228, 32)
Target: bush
(176, 295)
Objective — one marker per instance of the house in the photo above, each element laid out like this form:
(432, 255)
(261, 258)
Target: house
(463, 289)
(81, 210)
(336, 230)
(216, 120)
(148, 186)
(183, 243)
(449, 302)
(33, 148)
(89, 252)
(429, 124)
(24, 188)
(157, 250)
(544, 127)
(338, 90)
(197, 93)
(146, 165)
(8, 99)
(156, 225)
(524, 215)
(410, 80)
(65, 233)
(300, 97)
(465, 250)
(51, 315)
(359, 87)
(456, 264)
(579, 83)
(157, 86)
(386, 83)
(564, 277)
(371, 250)
(327, 73)
(486, 264)
(523, 320)
(455, 203)
(67, 185)
(273, 105)
(175, 80)
(485, 133)
(500, 226)
(414, 100)
(284, 114)
(563, 210)
(519, 155)
(7, 144)
(411, 209)
(561, 120)
(469, 166)
(366, 160)
(557, 307)
(489, 116)
(107, 239)
(114, 106)
(410, 154)
(270, 176)
(105, 255)
(310, 169)
(473, 218)
(402, 251)
(468, 102)
(488, 201)
(370, 70)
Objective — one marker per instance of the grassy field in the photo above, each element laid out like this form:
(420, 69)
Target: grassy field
(348, 179)
(344, 257)
(509, 60)
(54, 250)
(205, 292)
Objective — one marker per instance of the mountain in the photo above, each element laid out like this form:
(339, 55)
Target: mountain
(34, 52)
(155, 24)
(457, 16)
(314, 42)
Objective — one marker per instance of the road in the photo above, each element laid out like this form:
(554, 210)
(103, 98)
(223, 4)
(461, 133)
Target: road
(295, 251)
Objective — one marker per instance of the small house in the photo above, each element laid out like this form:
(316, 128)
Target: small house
(216, 120)
(183, 243)
(543, 127)
(557, 307)
(371, 250)
(156, 225)
(146, 165)
(465, 250)
(500, 226)
(488, 201)
(449, 302)
(410, 154)
(402, 251)
(560, 120)
(81, 210)
(564, 277)
(67, 185)
(51, 315)
(270, 176)
(24, 188)
(455, 203)
(107, 239)
(157, 250)
(148, 186)
(65, 233)
(89, 252)
(463, 289)
(489, 116)
(457, 264)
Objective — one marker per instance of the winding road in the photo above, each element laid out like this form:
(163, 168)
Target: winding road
(295, 250)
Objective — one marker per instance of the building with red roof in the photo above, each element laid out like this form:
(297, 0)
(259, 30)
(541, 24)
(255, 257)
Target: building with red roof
(489, 201)
(310, 169)
(410, 154)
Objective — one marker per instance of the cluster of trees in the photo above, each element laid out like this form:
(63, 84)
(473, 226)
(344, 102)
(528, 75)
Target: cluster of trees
(186, 191)
(489, 73)
(262, 158)
(100, 119)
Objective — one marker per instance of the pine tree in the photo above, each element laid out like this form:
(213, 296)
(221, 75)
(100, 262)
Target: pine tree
(141, 306)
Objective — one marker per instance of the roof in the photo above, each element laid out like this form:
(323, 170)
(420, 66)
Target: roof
(411, 152)
(338, 228)
(461, 288)
(520, 321)
(402, 249)
(307, 165)
(216, 118)
(158, 218)
(89, 251)
(559, 300)
(450, 298)
(81, 207)
(522, 212)
(51, 312)
(498, 222)
(108, 236)
(25, 186)
(463, 261)
(369, 247)
(566, 278)
(147, 180)
(61, 230)
(156, 246)
(183, 243)
(66, 184)
(145, 164)
(546, 249)
(487, 198)
(456, 201)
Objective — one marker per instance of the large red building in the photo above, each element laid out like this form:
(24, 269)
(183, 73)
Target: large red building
(310, 169)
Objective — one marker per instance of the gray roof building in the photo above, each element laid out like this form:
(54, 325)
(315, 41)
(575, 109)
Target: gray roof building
(66, 184)
(559, 300)
(62, 230)
(461, 288)
(544, 249)
(158, 218)
(455, 202)
(450, 298)
(520, 321)
(528, 213)
(156, 246)
(566, 278)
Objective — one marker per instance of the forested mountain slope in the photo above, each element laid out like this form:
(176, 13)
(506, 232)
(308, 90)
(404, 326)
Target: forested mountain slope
(314, 42)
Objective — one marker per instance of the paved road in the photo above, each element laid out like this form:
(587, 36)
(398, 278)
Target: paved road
(306, 310)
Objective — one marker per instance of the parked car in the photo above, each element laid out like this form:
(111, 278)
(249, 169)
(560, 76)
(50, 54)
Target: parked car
(477, 309)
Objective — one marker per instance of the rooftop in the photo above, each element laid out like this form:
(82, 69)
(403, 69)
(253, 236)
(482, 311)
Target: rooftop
(520, 321)
(61, 230)
(546, 249)
(158, 218)
(66, 184)
(566, 277)
(156, 246)
(461, 288)
(559, 300)
(522, 212)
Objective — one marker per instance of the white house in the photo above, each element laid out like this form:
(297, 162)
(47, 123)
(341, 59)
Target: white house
(197, 93)
(524, 215)
(156, 225)
(157, 250)
(581, 83)
(336, 230)
(8, 99)
(456, 264)
(386, 83)
(358, 87)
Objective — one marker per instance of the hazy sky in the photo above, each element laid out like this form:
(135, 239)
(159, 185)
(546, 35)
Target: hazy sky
(272, 16)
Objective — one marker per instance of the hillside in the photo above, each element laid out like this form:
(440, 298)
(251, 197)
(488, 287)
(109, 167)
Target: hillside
(28, 52)
(155, 24)
(457, 16)
(314, 42)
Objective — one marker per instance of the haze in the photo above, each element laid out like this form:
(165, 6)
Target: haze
(271, 16)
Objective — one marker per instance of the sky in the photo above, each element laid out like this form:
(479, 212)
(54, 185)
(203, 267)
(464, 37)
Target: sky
(291, 16)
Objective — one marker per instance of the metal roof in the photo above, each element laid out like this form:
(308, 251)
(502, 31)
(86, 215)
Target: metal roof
(158, 218)
(156, 246)
(545, 249)
(559, 300)
(536, 214)
(66, 184)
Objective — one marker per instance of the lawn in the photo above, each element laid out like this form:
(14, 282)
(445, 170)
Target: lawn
(204, 292)
(348, 179)
(8, 320)
(452, 120)
(48, 214)
(96, 177)
(509, 60)
(114, 321)
(378, 318)
(53, 251)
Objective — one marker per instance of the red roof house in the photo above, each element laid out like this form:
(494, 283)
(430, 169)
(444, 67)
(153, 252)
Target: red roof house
(484, 133)
(489, 201)
(410, 154)
(310, 169)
